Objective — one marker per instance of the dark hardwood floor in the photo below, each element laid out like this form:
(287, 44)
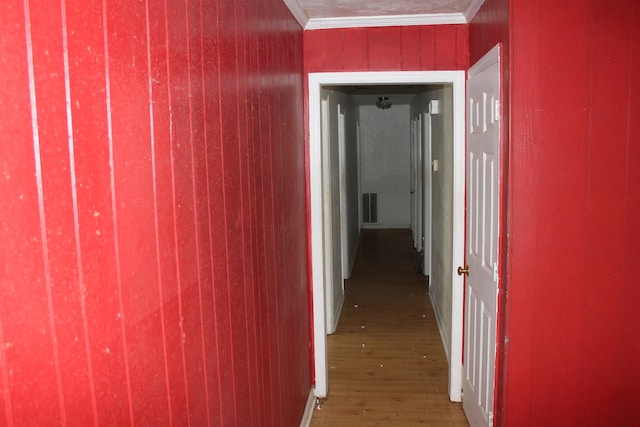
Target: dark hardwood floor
(387, 366)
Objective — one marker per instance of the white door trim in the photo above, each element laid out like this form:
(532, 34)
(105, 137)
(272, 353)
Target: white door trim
(427, 196)
(316, 82)
(342, 175)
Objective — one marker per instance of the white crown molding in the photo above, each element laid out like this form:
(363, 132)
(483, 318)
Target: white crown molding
(385, 21)
(472, 9)
(298, 12)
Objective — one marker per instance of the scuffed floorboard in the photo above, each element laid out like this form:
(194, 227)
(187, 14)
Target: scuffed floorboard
(387, 366)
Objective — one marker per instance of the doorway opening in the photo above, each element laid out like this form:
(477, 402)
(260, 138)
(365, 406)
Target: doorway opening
(326, 277)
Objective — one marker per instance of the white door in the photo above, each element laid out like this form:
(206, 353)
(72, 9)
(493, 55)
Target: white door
(419, 186)
(327, 217)
(426, 190)
(416, 184)
(344, 230)
(414, 163)
(483, 161)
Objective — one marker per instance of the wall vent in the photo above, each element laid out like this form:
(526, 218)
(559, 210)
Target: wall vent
(370, 208)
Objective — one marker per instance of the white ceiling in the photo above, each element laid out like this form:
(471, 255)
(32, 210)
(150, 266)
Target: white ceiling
(315, 14)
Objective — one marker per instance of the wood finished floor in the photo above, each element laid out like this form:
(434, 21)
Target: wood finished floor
(387, 366)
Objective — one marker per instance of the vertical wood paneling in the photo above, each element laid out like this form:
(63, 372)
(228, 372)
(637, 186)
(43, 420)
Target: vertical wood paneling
(563, 176)
(164, 140)
(411, 48)
(103, 334)
(333, 58)
(187, 252)
(202, 46)
(385, 48)
(314, 47)
(56, 154)
(232, 199)
(608, 128)
(269, 217)
(16, 178)
(356, 48)
(196, 136)
(260, 103)
(631, 225)
(216, 109)
(24, 334)
(210, 68)
(462, 47)
(488, 27)
(446, 45)
(134, 205)
(250, 49)
(150, 239)
(263, 307)
(437, 47)
(161, 171)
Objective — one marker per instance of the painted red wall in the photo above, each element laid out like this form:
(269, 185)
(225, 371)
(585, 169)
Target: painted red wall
(434, 47)
(572, 354)
(152, 229)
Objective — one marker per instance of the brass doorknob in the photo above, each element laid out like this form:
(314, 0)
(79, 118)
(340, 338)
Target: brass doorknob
(464, 271)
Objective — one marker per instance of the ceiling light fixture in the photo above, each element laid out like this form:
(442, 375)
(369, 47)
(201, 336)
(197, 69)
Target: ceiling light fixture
(383, 102)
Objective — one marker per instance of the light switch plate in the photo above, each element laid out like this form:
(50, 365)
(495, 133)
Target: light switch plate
(434, 106)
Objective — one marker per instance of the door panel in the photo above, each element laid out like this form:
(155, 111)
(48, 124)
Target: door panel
(414, 183)
(426, 189)
(419, 185)
(327, 218)
(483, 142)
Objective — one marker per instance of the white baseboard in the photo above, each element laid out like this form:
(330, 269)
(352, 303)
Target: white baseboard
(338, 311)
(386, 226)
(444, 336)
(354, 254)
(308, 409)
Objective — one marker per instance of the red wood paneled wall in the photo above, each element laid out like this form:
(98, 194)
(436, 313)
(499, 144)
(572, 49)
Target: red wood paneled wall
(572, 352)
(489, 27)
(152, 228)
(433, 47)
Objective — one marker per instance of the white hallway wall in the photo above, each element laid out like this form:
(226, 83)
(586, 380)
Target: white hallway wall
(442, 205)
(385, 160)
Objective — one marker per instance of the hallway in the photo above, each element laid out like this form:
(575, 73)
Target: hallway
(387, 366)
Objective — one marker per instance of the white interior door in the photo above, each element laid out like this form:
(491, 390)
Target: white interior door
(419, 185)
(426, 189)
(483, 161)
(327, 217)
(342, 147)
(414, 162)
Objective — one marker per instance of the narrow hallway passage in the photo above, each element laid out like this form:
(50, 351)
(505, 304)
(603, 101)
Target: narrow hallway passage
(387, 366)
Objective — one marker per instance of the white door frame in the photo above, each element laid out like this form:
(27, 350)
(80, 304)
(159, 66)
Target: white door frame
(427, 194)
(316, 82)
(342, 174)
(417, 183)
(327, 215)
